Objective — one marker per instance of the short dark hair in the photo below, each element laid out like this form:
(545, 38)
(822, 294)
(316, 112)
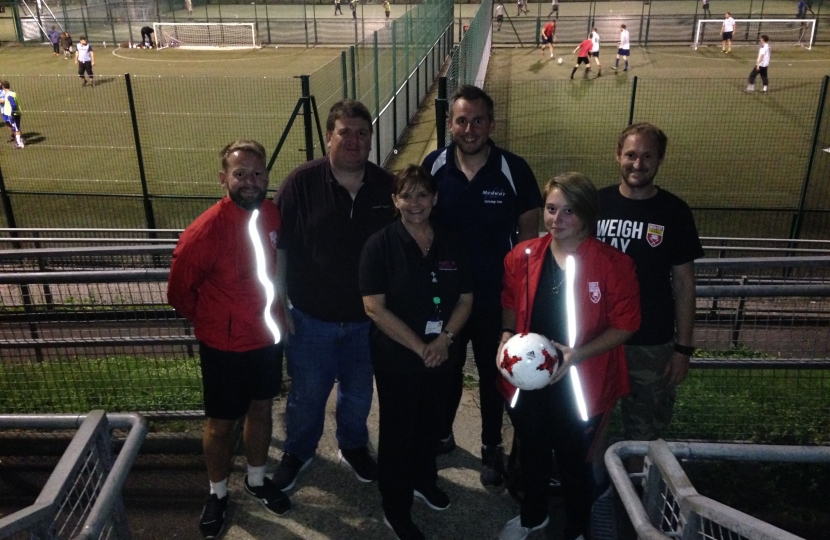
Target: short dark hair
(622, 26)
(765, 38)
(5, 84)
(348, 108)
(581, 195)
(414, 176)
(649, 130)
(411, 178)
(469, 92)
(82, 38)
(242, 145)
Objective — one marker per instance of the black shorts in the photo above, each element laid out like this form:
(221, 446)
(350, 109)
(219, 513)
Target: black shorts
(595, 54)
(231, 380)
(623, 52)
(546, 40)
(582, 60)
(499, 18)
(727, 35)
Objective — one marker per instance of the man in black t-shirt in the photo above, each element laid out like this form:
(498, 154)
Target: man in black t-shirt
(657, 230)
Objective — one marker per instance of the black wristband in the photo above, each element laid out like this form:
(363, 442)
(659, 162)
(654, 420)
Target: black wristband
(503, 330)
(684, 349)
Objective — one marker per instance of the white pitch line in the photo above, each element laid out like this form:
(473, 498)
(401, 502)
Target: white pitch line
(115, 53)
(697, 56)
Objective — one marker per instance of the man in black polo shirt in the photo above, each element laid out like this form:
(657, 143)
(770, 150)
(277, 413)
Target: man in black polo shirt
(329, 207)
(490, 196)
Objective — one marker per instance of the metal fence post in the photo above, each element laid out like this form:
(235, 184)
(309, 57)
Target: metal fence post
(538, 29)
(802, 199)
(268, 22)
(308, 128)
(394, 84)
(18, 27)
(441, 112)
(354, 72)
(7, 203)
(633, 100)
(376, 56)
(112, 22)
(145, 194)
(344, 74)
(83, 18)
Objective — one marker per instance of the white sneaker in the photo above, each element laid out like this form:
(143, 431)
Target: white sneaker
(764, 90)
(513, 529)
(750, 88)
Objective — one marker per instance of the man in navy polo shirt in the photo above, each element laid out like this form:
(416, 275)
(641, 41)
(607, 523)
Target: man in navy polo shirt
(490, 196)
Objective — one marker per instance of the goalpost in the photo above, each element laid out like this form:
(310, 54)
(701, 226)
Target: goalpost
(748, 32)
(206, 36)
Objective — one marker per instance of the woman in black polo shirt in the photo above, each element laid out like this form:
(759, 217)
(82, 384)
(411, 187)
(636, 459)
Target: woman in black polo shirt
(417, 289)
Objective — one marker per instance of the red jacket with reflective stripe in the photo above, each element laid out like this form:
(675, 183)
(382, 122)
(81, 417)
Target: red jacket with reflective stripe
(613, 302)
(213, 279)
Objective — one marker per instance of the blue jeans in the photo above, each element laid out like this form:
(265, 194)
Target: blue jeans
(318, 354)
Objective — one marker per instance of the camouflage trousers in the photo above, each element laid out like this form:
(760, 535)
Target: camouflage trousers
(648, 409)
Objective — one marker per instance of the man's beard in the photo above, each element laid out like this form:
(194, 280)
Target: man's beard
(245, 202)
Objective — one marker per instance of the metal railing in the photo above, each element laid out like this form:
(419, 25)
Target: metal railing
(91, 328)
(672, 508)
(82, 499)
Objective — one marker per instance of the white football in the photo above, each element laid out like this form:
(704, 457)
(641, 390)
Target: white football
(560, 60)
(529, 361)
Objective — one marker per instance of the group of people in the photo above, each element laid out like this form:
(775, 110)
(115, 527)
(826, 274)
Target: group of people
(60, 41)
(363, 277)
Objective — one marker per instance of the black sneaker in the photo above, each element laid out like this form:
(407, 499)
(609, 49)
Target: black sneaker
(434, 497)
(362, 463)
(289, 468)
(404, 529)
(212, 522)
(271, 498)
(445, 446)
(493, 473)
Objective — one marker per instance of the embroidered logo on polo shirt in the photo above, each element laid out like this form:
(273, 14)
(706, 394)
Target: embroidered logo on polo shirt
(494, 196)
(273, 236)
(654, 234)
(447, 266)
(593, 289)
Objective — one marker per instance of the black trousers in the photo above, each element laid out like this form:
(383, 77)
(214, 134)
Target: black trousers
(84, 67)
(482, 330)
(756, 71)
(411, 406)
(547, 421)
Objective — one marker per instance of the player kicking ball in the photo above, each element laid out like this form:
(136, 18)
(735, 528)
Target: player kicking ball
(582, 51)
(761, 66)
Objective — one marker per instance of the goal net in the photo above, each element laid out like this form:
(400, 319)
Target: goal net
(206, 36)
(749, 31)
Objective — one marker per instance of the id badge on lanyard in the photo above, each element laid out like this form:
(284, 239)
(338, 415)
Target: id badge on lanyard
(435, 323)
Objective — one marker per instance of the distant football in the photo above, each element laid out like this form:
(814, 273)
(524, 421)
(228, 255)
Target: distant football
(560, 60)
(529, 361)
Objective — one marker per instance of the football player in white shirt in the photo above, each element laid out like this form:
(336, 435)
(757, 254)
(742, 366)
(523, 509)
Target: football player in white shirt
(761, 66)
(595, 49)
(726, 30)
(624, 48)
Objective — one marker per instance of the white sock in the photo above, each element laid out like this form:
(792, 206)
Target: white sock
(20, 139)
(256, 475)
(219, 488)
